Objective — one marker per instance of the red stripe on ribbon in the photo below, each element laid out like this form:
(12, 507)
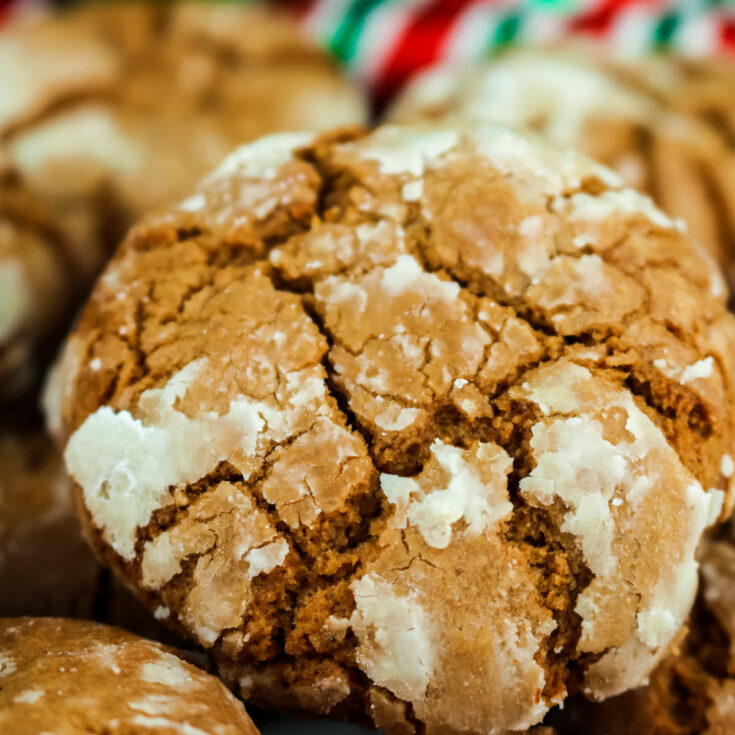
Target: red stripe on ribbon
(727, 35)
(420, 45)
(5, 8)
(300, 8)
(599, 20)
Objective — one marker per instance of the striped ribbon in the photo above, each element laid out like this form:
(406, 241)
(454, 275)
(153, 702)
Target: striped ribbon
(384, 42)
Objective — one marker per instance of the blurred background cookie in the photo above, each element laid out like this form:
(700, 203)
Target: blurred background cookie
(46, 567)
(75, 677)
(46, 263)
(702, 87)
(666, 131)
(137, 101)
(106, 111)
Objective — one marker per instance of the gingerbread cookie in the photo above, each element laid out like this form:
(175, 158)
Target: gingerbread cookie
(658, 126)
(109, 109)
(421, 426)
(74, 678)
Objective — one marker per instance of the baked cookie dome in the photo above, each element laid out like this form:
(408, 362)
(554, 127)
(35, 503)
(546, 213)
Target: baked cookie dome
(76, 677)
(107, 110)
(421, 425)
(657, 122)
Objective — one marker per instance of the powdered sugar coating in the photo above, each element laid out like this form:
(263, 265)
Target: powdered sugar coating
(454, 485)
(397, 646)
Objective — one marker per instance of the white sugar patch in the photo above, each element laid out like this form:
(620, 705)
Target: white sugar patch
(475, 490)
(182, 728)
(396, 642)
(699, 370)
(656, 626)
(578, 464)
(583, 207)
(413, 190)
(396, 418)
(30, 697)
(407, 150)
(126, 465)
(168, 670)
(716, 501)
(525, 156)
(407, 274)
(7, 665)
(727, 467)
(156, 704)
(194, 203)
(266, 558)
(262, 158)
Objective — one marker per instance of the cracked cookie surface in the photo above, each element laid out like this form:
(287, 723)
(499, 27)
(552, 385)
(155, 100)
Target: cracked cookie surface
(690, 693)
(420, 426)
(108, 110)
(664, 123)
(81, 678)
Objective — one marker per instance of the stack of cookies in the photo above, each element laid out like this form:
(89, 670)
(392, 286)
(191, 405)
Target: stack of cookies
(427, 427)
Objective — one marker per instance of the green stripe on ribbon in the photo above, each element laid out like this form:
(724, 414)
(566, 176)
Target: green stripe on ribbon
(344, 42)
(665, 29)
(505, 32)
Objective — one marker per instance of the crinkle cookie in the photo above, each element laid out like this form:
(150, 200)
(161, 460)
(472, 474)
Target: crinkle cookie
(75, 678)
(656, 124)
(693, 692)
(46, 568)
(109, 109)
(421, 425)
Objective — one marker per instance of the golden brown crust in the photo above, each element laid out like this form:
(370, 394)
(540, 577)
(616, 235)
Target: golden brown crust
(76, 678)
(388, 419)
